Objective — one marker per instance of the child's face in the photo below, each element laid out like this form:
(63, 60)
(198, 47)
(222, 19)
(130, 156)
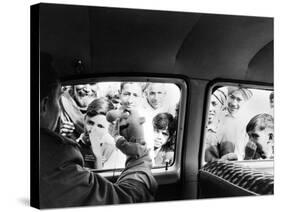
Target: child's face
(160, 137)
(265, 139)
(96, 125)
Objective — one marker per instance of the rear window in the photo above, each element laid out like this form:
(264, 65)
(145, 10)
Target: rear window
(239, 124)
(84, 109)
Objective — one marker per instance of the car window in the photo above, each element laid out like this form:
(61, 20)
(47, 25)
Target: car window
(84, 118)
(239, 124)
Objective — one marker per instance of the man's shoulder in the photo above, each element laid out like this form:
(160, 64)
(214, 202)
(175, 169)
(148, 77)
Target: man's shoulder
(55, 139)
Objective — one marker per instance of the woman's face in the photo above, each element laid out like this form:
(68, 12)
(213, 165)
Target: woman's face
(96, 125)
(160, 137)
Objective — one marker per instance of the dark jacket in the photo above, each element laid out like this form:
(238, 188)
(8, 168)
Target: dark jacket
(64, 181)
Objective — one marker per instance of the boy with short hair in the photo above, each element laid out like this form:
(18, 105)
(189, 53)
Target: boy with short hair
(261, 142)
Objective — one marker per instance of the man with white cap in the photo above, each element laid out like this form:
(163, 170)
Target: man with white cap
(237, 96)
(233, 131)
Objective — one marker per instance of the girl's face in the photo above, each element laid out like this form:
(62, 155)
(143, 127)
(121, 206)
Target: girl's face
(97, 126)
(160, 137)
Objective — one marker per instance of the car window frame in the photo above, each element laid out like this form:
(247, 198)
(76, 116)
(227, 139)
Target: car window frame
(174, 169)
(224, 82)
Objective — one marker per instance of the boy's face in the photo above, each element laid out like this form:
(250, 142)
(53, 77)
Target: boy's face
(160, 137)
(130, 95)
(155, 95)
(234, 101)
(96, 125)
(265, 139)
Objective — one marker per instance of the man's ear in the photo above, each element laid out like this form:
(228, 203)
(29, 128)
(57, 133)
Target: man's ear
(44, 105)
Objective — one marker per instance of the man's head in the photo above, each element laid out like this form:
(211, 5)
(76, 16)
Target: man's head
(50, 91)
(217, 104)
(130, 95)
(260, 131)
(237, 96)
(84, 94)
(155, 94)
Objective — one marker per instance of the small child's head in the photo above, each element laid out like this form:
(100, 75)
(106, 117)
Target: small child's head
(260, 131)
(164, 128)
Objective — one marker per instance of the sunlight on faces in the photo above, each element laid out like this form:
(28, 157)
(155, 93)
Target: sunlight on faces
(160, 137)
(84, 94)
(130, 95)
(96, 126)
(155, 94)
(214, 109)
(234, 101)
(265, 138)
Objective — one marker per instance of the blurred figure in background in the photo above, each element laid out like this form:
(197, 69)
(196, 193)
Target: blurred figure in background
(74, 103)
(213, 137)
(271, 100)
(155, 94)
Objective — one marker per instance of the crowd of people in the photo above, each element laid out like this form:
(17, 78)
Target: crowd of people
(227, 138)
(83, 113)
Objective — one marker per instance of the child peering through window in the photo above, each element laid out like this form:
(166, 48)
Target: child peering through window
(261, 141)
(96, 144)
(164, 127)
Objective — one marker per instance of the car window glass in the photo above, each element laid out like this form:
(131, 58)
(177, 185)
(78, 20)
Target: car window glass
(239, 124)
(83, 118)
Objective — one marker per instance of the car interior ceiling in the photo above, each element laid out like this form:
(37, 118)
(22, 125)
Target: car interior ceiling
(111, 40)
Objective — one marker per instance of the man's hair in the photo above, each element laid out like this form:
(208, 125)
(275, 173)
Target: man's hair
(124, 83)
(260, 122)
(99, 106)
(48, 77)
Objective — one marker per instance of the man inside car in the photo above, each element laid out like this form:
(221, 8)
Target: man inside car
(64, 181)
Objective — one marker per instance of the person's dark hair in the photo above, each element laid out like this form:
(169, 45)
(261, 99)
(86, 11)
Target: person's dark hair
(165, 121)
(99, 106)
(260, 122)
(271, 96)
(48, 77)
